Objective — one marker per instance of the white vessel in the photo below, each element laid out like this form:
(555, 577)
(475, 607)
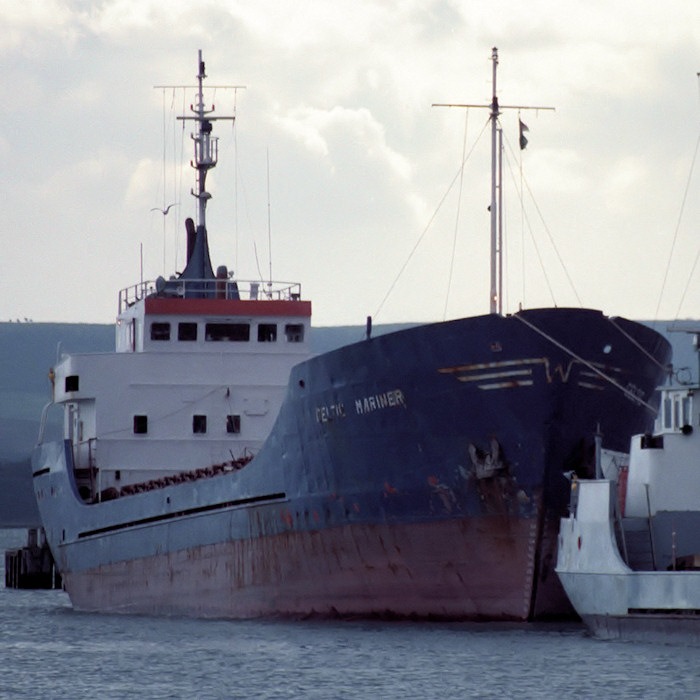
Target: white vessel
(629, 552)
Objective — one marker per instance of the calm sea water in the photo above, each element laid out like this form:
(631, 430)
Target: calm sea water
(47, 650)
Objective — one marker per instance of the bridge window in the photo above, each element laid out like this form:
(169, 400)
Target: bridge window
(140, 425)
(667, 412)
(160, 331)
(677, 411)
(233, 424)
(187, 331)
(267, 332)
(199, 424)
(236, 332)
(72, 382)
(294, 332)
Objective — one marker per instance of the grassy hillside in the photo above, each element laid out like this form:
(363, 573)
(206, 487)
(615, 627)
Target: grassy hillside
(17, 504)
(27, 352)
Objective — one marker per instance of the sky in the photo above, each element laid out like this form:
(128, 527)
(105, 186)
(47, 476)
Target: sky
(339, 173)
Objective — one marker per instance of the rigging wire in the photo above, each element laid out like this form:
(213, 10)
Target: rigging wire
(526, 220)
(178, 167)
(547, 231)
(639, 347)
(675, 233)
(687, 284)
(505, 264)
(175, 198)
(235, 181)
(167, 201)
(675, 236)
(459, 207)
(170, 161)
(430, 222)
(591, 366)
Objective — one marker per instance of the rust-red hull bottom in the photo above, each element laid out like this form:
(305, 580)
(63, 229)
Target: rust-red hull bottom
(477, 568)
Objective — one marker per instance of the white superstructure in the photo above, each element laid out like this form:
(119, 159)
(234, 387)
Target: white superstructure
(200, 370)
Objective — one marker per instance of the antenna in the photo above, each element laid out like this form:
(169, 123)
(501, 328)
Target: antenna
(269, 228)
(495, 301)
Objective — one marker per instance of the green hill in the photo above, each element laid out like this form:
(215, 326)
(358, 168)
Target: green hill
(27, 352)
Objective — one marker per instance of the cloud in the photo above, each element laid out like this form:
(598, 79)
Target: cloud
(339, 94)
(31, 28)
(121, 16)
(304, 126)
(626, 176)
(337, 132)
(140, 189)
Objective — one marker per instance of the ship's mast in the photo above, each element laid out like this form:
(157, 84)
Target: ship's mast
(495, 207)
(205, 157)
(494, 298)
(206, 146)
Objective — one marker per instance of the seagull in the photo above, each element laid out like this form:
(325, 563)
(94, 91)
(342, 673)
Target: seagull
(164, 211)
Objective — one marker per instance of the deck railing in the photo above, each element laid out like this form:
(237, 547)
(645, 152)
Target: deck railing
(209, 288)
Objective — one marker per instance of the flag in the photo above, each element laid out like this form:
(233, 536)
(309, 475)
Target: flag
(523, 138)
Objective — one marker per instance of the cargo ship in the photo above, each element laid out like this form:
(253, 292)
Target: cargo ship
(212, 467)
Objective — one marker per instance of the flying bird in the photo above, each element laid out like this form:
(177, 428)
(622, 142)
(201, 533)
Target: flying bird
(166, 210)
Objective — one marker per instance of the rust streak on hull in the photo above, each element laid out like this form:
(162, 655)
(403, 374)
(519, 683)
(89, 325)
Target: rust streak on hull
(459, 569)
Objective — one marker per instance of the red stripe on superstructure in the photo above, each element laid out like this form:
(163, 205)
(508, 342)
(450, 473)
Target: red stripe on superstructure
(227, 307)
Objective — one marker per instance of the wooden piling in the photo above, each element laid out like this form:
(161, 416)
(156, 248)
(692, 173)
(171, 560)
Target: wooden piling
(31, 566)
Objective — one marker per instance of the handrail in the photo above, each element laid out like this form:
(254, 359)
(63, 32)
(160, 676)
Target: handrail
(216, 288)
(42, 424)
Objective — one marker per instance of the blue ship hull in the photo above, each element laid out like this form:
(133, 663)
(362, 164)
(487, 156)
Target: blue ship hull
(417, 474)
